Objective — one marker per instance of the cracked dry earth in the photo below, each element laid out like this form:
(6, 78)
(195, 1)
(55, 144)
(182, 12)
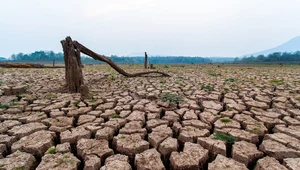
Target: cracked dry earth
(229, 118)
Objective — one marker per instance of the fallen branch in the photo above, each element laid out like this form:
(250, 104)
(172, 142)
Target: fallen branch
(103, 58)
(25, 65)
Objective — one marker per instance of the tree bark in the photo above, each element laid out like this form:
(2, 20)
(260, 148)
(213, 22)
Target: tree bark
(146, 61)
(73, 71)
(102, 58)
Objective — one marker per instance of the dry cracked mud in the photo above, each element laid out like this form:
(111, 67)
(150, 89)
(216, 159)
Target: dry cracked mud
(202, 117)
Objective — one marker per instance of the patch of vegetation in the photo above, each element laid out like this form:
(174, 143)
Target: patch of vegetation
(51, 150)
(279, 82)
(50, 95)
(115, 116)
(166, 66)
(113, 77)
(19, 168)
(75, 103)
(230, 109)
(91, 95)
(41, 114)
(224, 137)
(66, 156)
(125, 85)
(226, 90)
(225, 120)
(258, 123)
(231, 80)
(298, 99)
(1, 82)
(213, 73)
(123, 137)
(291, 91)
(64, 160)
(171, 97)
(208, 87)
(4, 106)
(92, 100)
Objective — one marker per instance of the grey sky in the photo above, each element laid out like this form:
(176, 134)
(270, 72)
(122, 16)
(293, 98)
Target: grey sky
(165, 27)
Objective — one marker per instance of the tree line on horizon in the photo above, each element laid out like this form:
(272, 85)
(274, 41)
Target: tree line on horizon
(49, 56)
(277, 57)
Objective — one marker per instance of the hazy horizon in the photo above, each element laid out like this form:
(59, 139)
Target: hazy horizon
(170, 27)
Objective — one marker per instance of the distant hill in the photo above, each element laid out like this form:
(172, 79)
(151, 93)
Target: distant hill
(292, 45)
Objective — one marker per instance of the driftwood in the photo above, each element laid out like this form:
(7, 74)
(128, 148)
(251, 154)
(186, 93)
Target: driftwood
(25, 65)
(73, 66)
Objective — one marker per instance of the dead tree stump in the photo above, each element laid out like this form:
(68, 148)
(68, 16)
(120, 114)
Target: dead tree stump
(146, 60)
(73, 66)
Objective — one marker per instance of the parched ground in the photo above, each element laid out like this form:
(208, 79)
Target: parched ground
(203, 117)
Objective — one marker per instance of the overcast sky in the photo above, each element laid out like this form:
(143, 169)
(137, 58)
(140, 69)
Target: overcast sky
(164, 27)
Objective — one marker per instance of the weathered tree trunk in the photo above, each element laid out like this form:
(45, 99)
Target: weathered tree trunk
(146, 61)
(73, 66)
(73, 71)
